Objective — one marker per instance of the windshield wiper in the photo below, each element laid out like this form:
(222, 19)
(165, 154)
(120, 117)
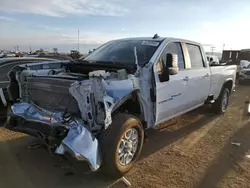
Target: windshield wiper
(129, 66)
(116, 64)
(82, 61)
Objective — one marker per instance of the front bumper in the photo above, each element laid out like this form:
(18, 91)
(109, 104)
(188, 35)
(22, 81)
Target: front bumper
(78, 141)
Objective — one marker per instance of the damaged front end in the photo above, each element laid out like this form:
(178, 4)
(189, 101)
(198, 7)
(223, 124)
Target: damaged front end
(60, 133)
(66, 109)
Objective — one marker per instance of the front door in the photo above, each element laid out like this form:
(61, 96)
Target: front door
(170, 95)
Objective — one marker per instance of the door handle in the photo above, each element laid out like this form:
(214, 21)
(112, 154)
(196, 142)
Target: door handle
(185, 79)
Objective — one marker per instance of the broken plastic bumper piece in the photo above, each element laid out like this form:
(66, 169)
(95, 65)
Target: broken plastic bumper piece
(78, 141)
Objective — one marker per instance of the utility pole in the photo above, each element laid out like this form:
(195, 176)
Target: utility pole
(78, 47)
(212, 49)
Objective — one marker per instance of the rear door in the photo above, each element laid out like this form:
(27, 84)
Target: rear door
(171, 95)
(199, 75)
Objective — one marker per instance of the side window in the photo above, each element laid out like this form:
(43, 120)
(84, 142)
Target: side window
(175, 48)
(195, 56)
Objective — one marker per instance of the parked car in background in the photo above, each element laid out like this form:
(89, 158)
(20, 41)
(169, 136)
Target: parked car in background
(2, 55)
(244, 74)
(98, 108)
(6, 64)
(56, 56)
(242, 64)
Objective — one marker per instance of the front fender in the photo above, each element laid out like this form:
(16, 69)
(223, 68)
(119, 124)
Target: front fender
(117, 92)
(90, 94)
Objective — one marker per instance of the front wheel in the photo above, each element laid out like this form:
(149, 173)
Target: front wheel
(221, 103)
(121, 144)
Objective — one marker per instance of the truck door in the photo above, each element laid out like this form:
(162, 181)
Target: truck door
(199, 76)
(171, 95)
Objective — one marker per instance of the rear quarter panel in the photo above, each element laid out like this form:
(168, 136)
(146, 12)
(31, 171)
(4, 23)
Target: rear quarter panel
(220, 75)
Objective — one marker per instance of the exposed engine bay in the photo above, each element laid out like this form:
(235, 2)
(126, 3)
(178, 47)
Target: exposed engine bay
(67, 105)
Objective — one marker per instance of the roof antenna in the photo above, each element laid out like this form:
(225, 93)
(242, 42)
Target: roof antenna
(156, 36)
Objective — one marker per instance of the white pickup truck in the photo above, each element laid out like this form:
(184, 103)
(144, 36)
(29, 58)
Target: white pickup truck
(97, 109)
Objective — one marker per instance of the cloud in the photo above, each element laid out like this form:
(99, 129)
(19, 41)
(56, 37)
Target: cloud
(49, 27)
(5, 18)
(61, 8)
(94, 38)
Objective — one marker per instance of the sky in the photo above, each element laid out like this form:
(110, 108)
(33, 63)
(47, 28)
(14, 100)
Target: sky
(55, 23)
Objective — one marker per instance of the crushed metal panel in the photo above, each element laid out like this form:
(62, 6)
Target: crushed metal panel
(81, 91)
(31, 112)
(120, 88)
(79, 141)
(107, 92)
(81, 144)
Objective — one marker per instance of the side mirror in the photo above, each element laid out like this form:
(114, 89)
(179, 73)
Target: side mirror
(172, 64)
(163, 71)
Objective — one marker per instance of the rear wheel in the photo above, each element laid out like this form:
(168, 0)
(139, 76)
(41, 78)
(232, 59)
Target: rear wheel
(121, 144)
(221, 103)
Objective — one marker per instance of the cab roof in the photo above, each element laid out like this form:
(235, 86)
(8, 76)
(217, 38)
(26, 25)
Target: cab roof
(159, 39)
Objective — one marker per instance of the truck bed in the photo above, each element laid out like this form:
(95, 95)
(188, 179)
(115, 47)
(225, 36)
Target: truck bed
(219, 74)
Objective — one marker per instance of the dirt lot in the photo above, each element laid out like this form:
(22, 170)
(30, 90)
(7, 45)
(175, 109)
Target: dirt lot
(192, 151)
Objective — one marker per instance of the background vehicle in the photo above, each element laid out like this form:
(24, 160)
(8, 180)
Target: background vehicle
(107, 100)
(6, 64)
(243, 64)
(244, 75)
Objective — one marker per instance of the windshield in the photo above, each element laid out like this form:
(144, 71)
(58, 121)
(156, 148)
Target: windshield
(123, 51)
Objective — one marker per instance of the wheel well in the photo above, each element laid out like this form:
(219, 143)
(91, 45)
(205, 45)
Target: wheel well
(229, 85)
(131, 106)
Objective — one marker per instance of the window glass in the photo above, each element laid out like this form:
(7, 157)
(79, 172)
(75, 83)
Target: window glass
(125, 52)
(195, 56)
(175, 48)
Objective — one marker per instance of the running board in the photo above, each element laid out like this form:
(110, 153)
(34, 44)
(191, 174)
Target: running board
(210, 102)
(210, 99)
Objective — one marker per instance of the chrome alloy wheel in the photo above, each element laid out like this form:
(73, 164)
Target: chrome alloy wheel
(224, 101)
(128, 146)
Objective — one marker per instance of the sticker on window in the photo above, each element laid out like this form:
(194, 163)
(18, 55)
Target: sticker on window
(150, 43)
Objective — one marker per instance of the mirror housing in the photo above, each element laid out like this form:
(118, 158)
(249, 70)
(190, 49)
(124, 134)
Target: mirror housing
(170, 68)
(172, 63)
(163, 71)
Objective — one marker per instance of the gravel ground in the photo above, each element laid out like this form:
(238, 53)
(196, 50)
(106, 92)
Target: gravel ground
(194, 150)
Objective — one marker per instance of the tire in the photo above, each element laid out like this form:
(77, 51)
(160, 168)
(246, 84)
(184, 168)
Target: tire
(112, 137)
(220, 105)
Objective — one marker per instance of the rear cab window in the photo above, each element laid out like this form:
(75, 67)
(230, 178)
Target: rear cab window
(195, 55)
